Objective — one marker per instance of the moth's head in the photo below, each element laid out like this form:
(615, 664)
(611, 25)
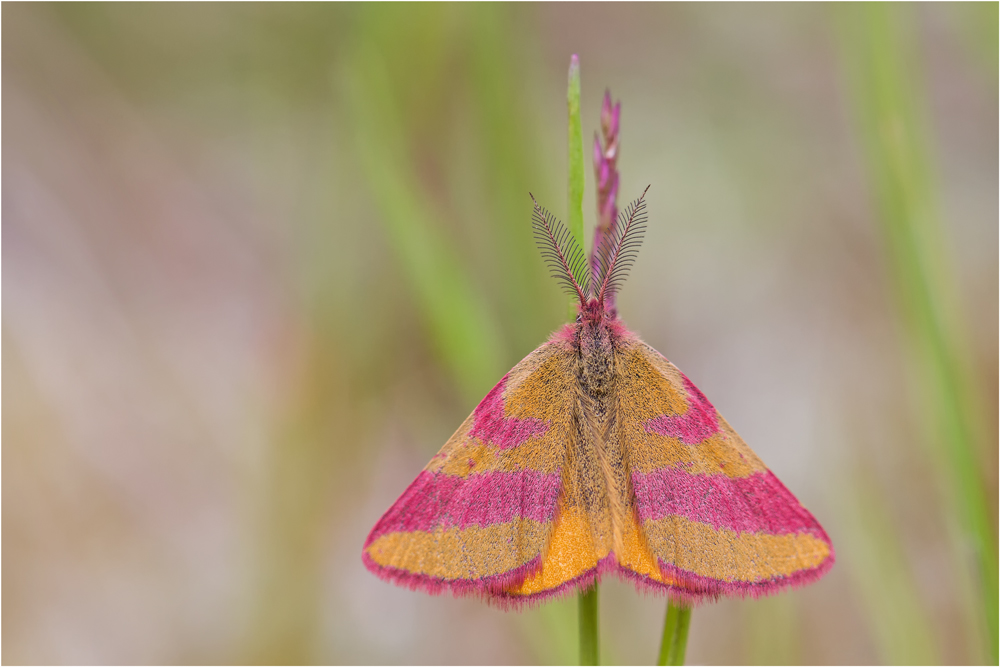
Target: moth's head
(593, 312)
(595, 282)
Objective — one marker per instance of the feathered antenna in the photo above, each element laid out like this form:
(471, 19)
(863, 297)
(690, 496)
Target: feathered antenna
(564, 257)
(618, 251)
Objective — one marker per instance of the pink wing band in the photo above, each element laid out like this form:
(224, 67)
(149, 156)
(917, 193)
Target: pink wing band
(436, 500)
(754, 504)
(493, 427)
(696, 425)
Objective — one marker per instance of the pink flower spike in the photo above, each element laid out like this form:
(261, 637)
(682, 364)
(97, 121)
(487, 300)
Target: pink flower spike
(608, 211)
(604, 176)
(611, 152)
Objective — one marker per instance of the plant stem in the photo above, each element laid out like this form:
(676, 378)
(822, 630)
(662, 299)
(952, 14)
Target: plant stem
(681, 637)
(669, 630)
(588, 626)
(675, 635)
(588, 598)
(574, 213)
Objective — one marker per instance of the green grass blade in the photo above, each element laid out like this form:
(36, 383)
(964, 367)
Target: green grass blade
(574, 214)
(512, 163)
(456, 317)
(877, 45)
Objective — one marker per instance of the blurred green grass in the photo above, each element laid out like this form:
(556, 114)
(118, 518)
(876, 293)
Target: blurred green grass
(880, 51)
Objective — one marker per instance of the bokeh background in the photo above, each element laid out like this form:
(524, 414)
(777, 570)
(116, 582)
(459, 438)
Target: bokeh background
(259, 262)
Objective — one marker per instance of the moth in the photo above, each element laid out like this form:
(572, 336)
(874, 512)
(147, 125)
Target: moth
(593, 456)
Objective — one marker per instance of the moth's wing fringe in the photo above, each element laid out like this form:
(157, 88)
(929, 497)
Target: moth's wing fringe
(691, 589)
(695, 589)
(484, 587)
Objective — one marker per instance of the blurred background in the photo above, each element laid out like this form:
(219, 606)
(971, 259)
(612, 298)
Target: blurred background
(260, 261)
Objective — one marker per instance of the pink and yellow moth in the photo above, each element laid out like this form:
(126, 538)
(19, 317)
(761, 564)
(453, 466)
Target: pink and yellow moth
(595, 455)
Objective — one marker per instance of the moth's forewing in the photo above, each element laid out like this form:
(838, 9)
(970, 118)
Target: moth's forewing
(712, 518)
(479, 518)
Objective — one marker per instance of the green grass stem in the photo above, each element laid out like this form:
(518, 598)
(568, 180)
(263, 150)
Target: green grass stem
(673, 646)
(574, 217)
(589, 649)
(574, 212)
